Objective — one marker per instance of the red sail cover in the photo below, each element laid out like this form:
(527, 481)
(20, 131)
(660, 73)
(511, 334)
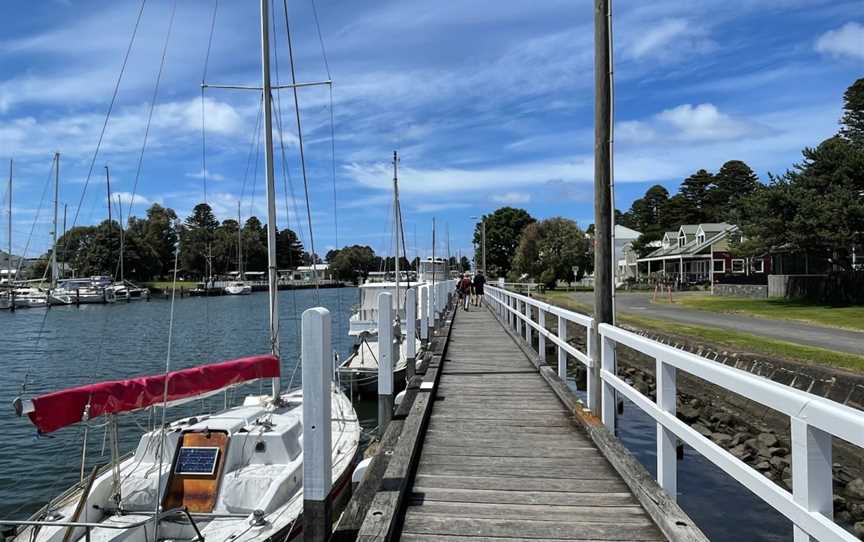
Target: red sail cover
(66, 407)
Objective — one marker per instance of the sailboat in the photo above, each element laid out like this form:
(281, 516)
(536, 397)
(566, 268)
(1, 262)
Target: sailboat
(239, 287)
(79, 291)
(122, 289)
(6, 295)
(360, 369)
(231, 476)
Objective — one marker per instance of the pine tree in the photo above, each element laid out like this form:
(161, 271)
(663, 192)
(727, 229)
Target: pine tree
(853, 113)
(695, 192)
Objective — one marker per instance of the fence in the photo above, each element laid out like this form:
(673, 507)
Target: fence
(814, 420)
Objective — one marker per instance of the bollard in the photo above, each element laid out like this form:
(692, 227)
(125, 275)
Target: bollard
(386, 361)
(424, 313)
(317, 458)
(410, 333)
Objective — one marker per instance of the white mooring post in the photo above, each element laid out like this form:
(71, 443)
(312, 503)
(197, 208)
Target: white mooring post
(424, 313)
(607, 363)
(667, 461)
(541, 339)
(410, 332)
(562, 354)
(317, 459)
(811, 471)
(385, 360)
(593, 369)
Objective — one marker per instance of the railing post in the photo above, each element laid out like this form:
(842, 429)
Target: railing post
(562, 354)
(541, 339)
(509, 301)
(607, 363)
(593, 381)
(527, 326)
(317, 467)
(811, 471)
(410, 333)
(667, 467)
(424, 313)
(385, 360)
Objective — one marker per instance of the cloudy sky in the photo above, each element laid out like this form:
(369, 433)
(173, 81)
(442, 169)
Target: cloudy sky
(488, 102)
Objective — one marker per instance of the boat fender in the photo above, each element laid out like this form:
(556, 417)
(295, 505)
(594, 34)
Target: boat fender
(399, 397)
(360, 470)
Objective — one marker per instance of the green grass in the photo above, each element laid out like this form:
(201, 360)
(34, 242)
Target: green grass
(778, 309)
(167, 284)
(719, 338)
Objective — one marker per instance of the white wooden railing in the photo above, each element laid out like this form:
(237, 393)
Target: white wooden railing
(814, 420)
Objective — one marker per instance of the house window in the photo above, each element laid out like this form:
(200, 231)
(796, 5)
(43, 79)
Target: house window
(682, 241)
(701, 238)
(759, 266)
(737, 265)
(719, 266)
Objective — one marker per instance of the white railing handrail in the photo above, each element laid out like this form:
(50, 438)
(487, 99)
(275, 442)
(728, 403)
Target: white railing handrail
(814, 420)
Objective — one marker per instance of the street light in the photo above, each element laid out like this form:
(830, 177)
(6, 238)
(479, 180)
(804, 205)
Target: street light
(482, 220)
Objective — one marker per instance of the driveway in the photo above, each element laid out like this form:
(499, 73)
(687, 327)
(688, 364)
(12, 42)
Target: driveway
(639, 303)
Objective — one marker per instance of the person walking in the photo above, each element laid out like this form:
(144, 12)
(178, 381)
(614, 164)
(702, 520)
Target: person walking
(479, 282)
(464, 288)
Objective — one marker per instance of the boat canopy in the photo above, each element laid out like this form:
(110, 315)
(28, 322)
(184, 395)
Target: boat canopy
(58, 409)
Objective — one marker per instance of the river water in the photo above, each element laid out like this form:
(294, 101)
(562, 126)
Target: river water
(68, 346)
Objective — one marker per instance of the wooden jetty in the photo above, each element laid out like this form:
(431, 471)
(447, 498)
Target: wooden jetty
(488, 446)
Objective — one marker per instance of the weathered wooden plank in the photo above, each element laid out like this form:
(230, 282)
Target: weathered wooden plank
(444, 525)
(604, 498)
(582, 460)
(414, 537)
(595, 471)
(482, 449)
(578, 485)
(632, 515)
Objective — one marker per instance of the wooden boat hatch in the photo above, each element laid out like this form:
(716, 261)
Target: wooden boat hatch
(196, 471)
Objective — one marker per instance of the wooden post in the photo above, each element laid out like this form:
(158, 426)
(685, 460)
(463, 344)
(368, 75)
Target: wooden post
(562, 354)
(385, 360)
(603, 313)
(424, 313)
(811, 471)
(410, 332)
(608, 364)
(317, 458)
(667, 467)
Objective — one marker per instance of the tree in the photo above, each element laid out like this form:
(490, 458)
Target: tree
(196, 238)
(464, 264)
(734, 181)
(352, 263)
(160, 237)
(552, 250)
(289, 249)
(503, 228)
(852, 121)
(695, 194)
(254, 245)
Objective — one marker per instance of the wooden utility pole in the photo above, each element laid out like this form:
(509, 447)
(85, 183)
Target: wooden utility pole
(603, 313)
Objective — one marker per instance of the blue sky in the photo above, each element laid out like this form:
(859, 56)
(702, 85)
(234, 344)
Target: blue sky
(488, 102)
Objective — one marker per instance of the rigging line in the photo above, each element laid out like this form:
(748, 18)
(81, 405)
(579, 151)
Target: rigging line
(152, 106)
(332, 168)
(321, 41)
(35, 221)
(108, 114)
(253, 141)
(165, 393)
(204, 169)
(302, 154)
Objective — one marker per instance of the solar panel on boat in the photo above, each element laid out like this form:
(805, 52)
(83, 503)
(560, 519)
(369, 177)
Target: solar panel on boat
(197, 460)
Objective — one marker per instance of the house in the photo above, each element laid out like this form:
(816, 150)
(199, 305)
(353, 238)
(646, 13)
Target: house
(309, 272)
(626, 264)
(701, 253)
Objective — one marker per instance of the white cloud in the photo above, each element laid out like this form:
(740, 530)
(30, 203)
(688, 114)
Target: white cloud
(702, 122)
(512, 197)
(667, 39)
(848, 40)
(634, 131)
(211, 176)
(127, 198)
(436, 207)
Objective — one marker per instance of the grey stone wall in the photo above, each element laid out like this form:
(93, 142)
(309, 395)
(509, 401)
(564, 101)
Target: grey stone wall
(753, 291)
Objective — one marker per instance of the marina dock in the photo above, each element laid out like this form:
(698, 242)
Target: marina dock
(486, 446)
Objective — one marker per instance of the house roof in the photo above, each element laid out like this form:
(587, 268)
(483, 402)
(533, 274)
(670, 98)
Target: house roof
(693, 246)
(623, 232)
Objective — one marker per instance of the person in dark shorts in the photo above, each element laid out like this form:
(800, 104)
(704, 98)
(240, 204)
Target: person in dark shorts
(479, 282)
(464, 289)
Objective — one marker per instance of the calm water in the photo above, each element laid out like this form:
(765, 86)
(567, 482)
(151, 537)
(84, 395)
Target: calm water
(101, 342)
(104, 342)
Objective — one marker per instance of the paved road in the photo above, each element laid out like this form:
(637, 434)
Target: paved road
(638, 303)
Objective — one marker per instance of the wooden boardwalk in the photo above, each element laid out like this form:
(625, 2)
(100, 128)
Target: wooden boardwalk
(502, 459)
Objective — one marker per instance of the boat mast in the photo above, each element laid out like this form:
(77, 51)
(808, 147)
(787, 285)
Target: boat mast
(108, 188)
(9, 256)
(239, 245)
(434, 263)
(397, 226)
(54, 267)
(122, 239)
(271, 188)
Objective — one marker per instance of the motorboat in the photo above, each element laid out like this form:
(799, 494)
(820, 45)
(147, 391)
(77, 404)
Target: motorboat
(360, 368)
(127, 291)
(238, 287)
(29, 297)
(83, 291)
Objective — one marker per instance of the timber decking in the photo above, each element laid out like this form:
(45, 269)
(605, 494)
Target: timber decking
(502, 460)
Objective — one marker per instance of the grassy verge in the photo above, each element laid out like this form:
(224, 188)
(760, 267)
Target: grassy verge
(740, 342)
(167, 284)
(778, 309)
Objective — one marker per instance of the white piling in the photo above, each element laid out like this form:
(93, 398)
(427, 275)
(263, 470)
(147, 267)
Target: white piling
(424, 313)
(317, 459)
(386, 360)
(410, 332)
